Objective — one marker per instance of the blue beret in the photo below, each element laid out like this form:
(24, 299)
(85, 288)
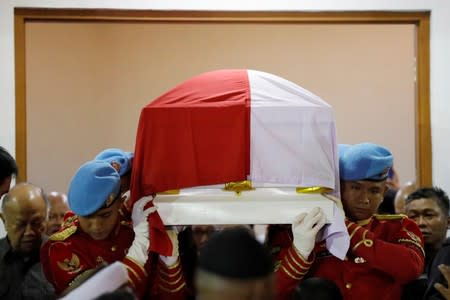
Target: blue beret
(364, 161)
(95, 184)
(119, 156)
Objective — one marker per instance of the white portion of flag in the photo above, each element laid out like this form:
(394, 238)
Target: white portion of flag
(292, 134)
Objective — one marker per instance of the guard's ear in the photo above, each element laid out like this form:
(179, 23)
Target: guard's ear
(386, 188)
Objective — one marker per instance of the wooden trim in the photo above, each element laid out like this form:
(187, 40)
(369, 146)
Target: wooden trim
(21, 111)
(423, 122)
(420, 19)
(43, 14)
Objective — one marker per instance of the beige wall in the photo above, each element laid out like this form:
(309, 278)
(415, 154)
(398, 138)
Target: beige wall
(86, 82)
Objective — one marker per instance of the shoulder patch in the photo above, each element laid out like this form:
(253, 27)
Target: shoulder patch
(390, 217)
(71, 265)
(63, 234)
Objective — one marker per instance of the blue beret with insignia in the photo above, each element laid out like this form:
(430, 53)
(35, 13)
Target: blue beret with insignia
(123, 158)
(96, 184)
(364, 161)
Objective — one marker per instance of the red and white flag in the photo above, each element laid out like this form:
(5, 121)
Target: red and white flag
(233, 125)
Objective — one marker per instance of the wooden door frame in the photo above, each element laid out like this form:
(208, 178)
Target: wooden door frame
(421, 20)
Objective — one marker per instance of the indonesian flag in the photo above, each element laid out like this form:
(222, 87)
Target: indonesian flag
(232, 125)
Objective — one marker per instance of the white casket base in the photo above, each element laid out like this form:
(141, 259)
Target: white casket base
(219, 207)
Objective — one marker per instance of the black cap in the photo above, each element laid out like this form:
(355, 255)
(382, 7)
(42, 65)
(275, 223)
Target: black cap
(235, 253)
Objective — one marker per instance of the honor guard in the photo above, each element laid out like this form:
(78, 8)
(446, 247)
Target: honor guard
(386, 251)
(101, 231)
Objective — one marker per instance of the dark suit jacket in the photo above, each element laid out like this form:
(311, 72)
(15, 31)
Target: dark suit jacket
(442, 257)
(22, 278)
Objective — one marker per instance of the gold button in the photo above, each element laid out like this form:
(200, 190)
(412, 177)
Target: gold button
(114, 248)
(348, 285)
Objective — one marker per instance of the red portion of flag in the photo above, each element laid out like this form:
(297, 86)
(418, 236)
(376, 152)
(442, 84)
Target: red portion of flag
(196, 134)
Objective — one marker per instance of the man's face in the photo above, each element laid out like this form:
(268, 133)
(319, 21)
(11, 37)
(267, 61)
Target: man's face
(25, 224)
(100, 224)
(58, 209)
(362, 198)
(4, 186)
(433, 223)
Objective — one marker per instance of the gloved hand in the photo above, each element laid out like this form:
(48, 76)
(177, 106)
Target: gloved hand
(305, 228)
(172, 232)
(141, 243)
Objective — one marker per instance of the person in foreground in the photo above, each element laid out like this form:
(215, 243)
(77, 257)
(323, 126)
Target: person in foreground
(24, 212)
(234, 265)
(386, 251)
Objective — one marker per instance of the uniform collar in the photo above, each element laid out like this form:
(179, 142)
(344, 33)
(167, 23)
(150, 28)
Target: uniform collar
(364, 222)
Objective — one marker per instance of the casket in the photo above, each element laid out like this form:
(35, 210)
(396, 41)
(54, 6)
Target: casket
(221, 204)
(231, 126)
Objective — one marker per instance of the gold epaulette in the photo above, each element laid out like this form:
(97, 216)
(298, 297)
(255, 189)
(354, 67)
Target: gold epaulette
(69, 221)
(390, 217)
(63, 234)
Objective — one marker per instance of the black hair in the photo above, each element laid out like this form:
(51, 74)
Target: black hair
(435, 193)
(387, 205)
(234, 253)
(8, 166)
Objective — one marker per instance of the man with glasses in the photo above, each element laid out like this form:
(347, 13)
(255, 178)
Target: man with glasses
(24, 213)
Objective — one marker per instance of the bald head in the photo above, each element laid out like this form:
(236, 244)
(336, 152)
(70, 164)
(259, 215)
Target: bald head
(58, 206)
(401, 195)
(24, 212)
(23, 194)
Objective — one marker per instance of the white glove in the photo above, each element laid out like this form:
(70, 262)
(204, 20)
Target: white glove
(305, 228)
(141, 243)
(138, 213)
(172, 232)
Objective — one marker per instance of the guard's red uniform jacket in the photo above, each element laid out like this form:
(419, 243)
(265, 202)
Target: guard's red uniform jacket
(386, 252)
(71, 255)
